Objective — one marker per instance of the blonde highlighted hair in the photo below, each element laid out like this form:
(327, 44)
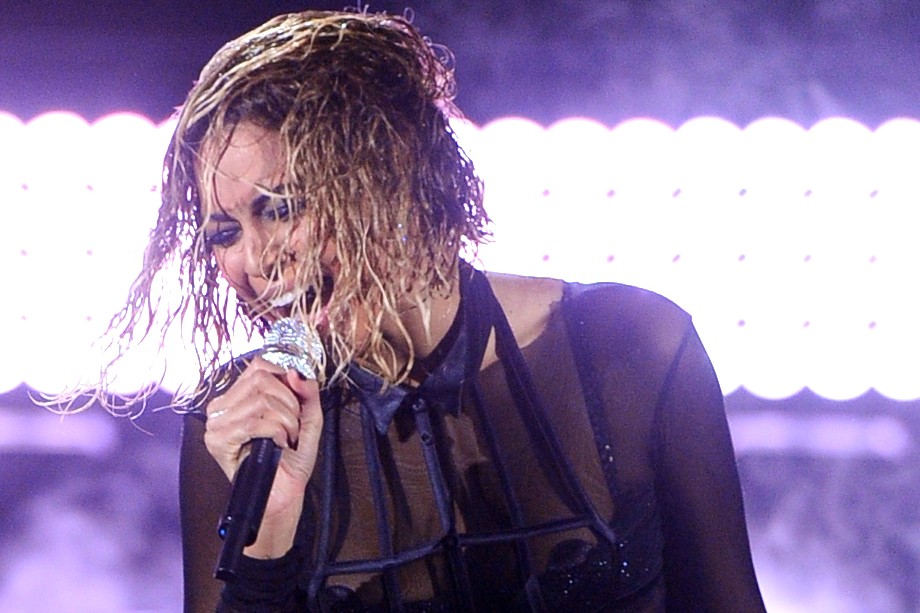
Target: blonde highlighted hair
(362, 104)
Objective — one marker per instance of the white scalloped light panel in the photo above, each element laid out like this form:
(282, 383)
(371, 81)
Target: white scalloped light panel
(793, 249)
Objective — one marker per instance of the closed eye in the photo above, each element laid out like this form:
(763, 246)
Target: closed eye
(223, 235)
(279, 209)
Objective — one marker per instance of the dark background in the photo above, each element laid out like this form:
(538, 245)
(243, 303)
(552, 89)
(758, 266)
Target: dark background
(608, 59)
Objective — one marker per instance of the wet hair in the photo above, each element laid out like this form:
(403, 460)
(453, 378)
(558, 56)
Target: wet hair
(362, 104)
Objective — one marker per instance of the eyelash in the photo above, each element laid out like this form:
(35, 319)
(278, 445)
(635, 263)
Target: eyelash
(283, 211)
(280, 212)
(221, 238)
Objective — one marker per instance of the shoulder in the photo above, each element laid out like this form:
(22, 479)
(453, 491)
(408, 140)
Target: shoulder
(527, 302)
(625, 322)
(607, 316)
(618, 305)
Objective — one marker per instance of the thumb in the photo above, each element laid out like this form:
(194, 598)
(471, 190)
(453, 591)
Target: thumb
(305, 389)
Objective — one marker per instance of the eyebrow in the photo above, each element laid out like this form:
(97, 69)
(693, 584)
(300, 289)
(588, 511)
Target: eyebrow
(259, 201)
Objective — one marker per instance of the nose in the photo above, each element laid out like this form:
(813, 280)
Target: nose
(258, 260)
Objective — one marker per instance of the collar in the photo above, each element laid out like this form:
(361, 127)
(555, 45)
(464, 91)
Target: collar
(443, 386)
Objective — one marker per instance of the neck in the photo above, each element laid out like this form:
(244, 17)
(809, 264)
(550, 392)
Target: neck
(426, 318)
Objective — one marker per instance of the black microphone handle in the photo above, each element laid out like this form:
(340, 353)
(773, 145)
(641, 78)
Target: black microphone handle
(251, 486)
(291, 344)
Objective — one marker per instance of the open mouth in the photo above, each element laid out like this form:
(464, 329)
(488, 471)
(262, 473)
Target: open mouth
(284, 303)
(287, 299)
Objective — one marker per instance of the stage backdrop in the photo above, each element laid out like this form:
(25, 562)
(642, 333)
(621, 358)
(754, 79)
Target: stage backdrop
(794, 250)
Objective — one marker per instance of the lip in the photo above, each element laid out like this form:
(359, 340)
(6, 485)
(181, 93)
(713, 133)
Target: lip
(285, 299)
(280, 305)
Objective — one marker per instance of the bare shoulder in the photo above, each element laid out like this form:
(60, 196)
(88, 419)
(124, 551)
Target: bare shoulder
(527, 302)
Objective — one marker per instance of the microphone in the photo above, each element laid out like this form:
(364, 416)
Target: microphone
(292, 345)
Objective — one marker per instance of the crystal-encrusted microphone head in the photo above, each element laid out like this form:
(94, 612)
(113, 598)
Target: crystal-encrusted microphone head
(290, 343)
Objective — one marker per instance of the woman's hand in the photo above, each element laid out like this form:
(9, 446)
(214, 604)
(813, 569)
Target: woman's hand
(267, 401)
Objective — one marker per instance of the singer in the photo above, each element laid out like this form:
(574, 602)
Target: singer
(472, 441)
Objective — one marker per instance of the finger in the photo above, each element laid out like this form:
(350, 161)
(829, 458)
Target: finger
(253, 408)
(304, 388)
(214, 414)
(260, 364)
(268, 418)
(263, 387)
(311, 414)
(231, 443)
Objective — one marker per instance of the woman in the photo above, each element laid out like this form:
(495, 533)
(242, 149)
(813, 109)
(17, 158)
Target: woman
(475, 442)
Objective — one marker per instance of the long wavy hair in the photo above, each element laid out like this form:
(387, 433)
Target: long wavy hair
(362, 104)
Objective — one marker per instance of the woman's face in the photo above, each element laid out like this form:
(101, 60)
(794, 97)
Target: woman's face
(256, 236)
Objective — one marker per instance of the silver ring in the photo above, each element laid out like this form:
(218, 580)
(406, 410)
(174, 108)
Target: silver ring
(216, 414)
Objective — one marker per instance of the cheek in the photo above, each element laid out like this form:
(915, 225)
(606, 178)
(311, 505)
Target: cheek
(230, 267)
(297, 238)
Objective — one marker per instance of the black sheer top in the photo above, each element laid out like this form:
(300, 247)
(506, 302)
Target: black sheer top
(590, 470)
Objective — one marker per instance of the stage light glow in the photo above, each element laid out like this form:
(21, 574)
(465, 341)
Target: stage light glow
(92, 434)
(127, 154)
(55, 153)
(843, 436)
(793, 249)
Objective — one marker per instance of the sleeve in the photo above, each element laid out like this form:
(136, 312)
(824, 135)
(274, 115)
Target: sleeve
(203, 492)
(707, 558)
(264, 586)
